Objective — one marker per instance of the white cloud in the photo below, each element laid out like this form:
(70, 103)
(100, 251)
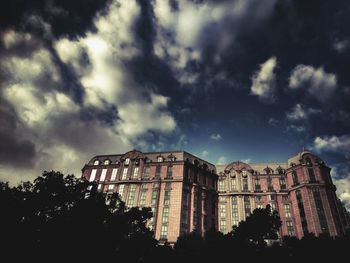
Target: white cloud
(204, 154)
(318, 83)
(341, 45)
(333, 143)
(50, 118)
(264, 80)
(295, 128)
(215, 136)
(222, 160)
(273, 122)
(299, 112)
(341, 179)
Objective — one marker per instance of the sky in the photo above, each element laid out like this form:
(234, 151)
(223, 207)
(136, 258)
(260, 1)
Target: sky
(249, 80)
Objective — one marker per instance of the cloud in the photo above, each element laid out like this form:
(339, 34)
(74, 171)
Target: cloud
(341, 45)
(204, 153)
(273, 122)
(55, 129)
(318, 83)
(335, 144)
(263, 81)
(222, 160)
(341, 178)
(299, 112)
(215, 136)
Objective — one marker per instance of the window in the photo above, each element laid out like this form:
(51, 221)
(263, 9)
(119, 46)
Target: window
(245, 184)
(233, 184)
(96, 162)
(135, 173)
(283, 183)
(260, 206)
(235, 220)
(166, 197)
(285, 198)
(110, 187)
(103, 175)
(221, 185)
(244, 173)
(159, 159)
(320, 211)
(164, 232)
(99, 186)
(114, 174)
(143, 198)
(121, 191)
(170, 172)
(158, 168)
(311, 173)
(106, 162)
(131, 195)
(295, 178)
(125, 172)
(93, 175)
(301, 211)
(127, 161)
(154, 197)
(223, 226)
(165, 216)
(269, 183)
(290, 228)
(287, 210)
(146, 172)
(257, 184)
(273, 206)
(222, 211)
(247, 208)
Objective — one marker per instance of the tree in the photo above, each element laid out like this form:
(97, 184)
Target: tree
(260, 225)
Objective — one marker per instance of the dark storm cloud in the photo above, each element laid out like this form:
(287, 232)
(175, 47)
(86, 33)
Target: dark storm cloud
(13, 151)
(66, 17)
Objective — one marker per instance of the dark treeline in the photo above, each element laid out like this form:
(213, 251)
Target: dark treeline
(62, 218)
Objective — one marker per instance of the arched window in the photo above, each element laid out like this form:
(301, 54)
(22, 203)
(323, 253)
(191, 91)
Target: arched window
(308, 161)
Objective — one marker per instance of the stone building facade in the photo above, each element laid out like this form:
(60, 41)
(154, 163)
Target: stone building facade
(189, 194)
(179, 187)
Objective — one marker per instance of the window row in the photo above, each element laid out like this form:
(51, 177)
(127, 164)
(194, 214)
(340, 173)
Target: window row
(244, 185)
(136, 161)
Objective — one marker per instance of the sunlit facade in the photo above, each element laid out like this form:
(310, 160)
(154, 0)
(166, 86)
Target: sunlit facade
(189, 194)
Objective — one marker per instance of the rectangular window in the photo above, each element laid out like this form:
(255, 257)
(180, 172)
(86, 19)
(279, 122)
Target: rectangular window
(165, 216)
(125, 173)
(110, 187)
(121, 191)
(154, 197)
(257, 184)
(287, 210)
(222, 211)
(169, 173)
(295, 178)
(245, 184)
(290, 228)
(247, 208)
(93, 175)
(233, 184)
(234, 211)
(301, 211)
(311, 174)
(221, 185)
(114, 174)
(146, 172)
(103, 175)
(270, 185)
(164, 232)
(143, 198)
(135, 174)
(320, 211)
(223, 226)
(131, 195)
(283, 183)
(99, 186)
(167, 197)
(158, 169)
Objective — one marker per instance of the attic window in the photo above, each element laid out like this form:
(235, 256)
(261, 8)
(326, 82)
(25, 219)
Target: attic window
(127, 161)
(159, 159)
(96, 162)
(106, 162)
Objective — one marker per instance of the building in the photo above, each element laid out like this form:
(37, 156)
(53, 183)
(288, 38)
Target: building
(179, 187)
(188, 194)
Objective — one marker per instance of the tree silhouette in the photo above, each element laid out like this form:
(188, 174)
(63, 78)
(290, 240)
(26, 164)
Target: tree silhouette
(262, 224)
